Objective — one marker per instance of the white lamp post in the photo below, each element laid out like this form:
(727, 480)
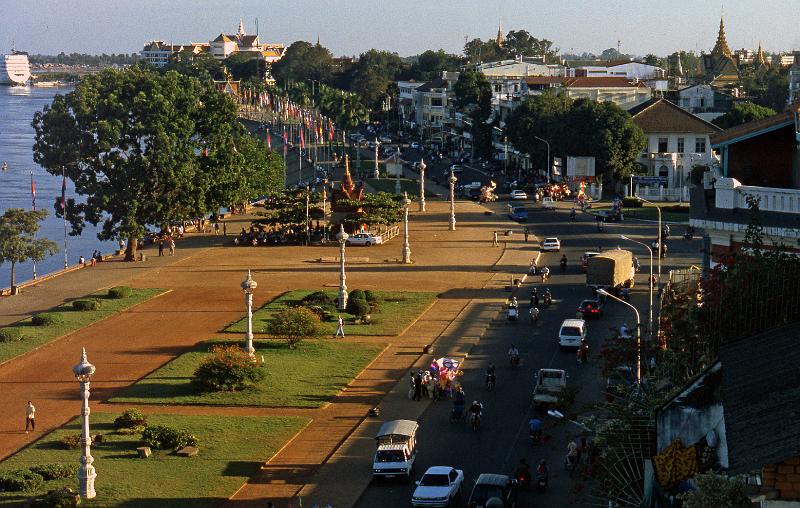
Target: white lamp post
(422, 167)
(86, 474)
(248, 285)
(658, 209)
(650, 280)
(406, 245)
(377, 171)
(638, 334)
(452, 180)
(342, 237)
(397, 188)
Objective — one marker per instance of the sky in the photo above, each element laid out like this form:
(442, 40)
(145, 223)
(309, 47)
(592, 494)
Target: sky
(408, 27)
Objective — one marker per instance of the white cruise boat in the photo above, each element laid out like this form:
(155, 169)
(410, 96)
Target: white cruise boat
(15, 70)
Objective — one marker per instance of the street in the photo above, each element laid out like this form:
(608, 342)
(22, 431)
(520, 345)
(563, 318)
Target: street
(503, 437)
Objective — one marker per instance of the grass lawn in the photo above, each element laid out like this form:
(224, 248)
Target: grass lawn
(388, 185)
(35, 336)
(307, 376)
(395, 312)
(231, 450)
(669, 212)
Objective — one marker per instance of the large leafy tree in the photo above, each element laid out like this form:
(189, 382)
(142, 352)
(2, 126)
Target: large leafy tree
(371, 76)
(203, 66)
(243, 65)
(146, 148)
(743, 112)
(345, 108)
(469, 88)
(18, 242)
(520, 42)
(430, 64)
(477, 50)
(304, 61)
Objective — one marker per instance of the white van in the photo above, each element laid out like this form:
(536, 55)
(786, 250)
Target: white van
(397, 450)
(572, 333)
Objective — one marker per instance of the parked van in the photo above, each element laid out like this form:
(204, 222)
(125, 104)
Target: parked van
(397, 450)
(572, 333)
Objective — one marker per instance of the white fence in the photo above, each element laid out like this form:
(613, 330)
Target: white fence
(659, 193)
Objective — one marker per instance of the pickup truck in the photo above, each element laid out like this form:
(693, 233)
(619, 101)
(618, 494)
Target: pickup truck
(549, 383)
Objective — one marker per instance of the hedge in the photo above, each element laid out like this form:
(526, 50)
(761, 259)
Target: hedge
(11, 335)
(47, 319)
(55, 471)
(21, 480)
(86, 305)
(120, 292)
(162, 437)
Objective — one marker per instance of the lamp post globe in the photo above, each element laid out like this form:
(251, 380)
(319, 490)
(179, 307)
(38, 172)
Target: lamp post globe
(422, 167)
(342, 237)
(248, 285)
(83, 372)
(452, 180)
(406, 244)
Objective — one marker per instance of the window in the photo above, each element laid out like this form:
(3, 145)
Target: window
(699, 145)
(498, 88)
(662, 145)
(681, 145)
(702, 102)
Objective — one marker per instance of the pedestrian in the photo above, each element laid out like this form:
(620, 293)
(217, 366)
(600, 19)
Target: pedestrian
(224, 229)
(426, 377)
(340, 328)
(121, 245)
(160, 247)
(93, 262)
(171, 246)
(418, 386)
(411, 385)
(82, 260)
(216, 228)
(30, 415)
(526, 235)
(495, 243)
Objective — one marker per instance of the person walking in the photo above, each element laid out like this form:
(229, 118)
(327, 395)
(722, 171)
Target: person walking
(216, 228)
(30, 415)
(340, 328)
(171, 246)
(161, 248)
(526, 235)
(82, 260)
(418, 386)
(224, 229)
(495, 243)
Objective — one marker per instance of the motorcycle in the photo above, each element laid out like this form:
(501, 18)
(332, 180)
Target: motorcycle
(535, 436)
(548, 299)
(456, 414)
(541, 481)
(523, 476)
(514, 360)
(475, 421)
(512, 313)
(534, 315)
(491, 379)
(545, 275)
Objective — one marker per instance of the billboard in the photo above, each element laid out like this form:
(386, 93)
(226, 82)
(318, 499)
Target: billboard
(580, 166)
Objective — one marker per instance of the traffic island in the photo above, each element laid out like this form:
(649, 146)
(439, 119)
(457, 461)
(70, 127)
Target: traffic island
(233, 449)
(307, 376)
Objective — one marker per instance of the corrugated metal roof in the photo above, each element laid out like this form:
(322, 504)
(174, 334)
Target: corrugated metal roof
(398, 428)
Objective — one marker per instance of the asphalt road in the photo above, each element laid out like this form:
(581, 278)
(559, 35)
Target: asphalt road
(503, 437)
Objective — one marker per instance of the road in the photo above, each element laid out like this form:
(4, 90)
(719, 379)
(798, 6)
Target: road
(503, 438)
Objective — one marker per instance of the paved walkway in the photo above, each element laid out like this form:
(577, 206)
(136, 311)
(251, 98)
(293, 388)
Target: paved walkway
(204, 296)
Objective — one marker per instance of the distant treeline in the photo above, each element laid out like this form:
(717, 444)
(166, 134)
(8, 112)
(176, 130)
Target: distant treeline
(83, 59)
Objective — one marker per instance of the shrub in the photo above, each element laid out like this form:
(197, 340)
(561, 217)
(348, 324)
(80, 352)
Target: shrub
(130, 419)
(59, 498)
(359, 308)
(11, 335)
(320, 298)
(21, 480)
(47, 319)
(229, 368)
(71, 442)
(86, 305)
(632, 202)
(162, 437)
(55, 471)
(120, 292)
(294, 325)
(371, 297)
(357, 294)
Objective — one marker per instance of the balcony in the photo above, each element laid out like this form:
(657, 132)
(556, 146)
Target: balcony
(731, 194)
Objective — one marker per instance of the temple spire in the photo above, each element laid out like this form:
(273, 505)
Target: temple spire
(761, 60)
(721, 47)
(500, 34)
(241, 31)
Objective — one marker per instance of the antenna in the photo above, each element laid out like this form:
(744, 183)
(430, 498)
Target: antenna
(256, 27)
(619, 45)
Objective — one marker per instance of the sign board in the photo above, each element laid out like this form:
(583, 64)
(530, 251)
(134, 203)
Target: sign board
(650, 180)
(580, 166)
(558, 164)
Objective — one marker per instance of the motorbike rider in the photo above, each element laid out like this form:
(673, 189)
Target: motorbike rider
(545, 273)
(490, 373)
(513, 303)
(548, 297)
(534, 314)
(513, 354)
(624, 331)
(563, 262)
(476, 409)
(542, 473)
(534, 297)
(523, 472)
(532, 267)
(572, 452)
(535, 428)
(572, 214)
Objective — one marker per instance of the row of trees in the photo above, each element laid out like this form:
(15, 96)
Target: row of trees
(103, 60)
(516, 43)
(150, 149)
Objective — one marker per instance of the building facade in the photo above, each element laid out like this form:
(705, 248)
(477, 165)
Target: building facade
(794, 79)
(703, 101)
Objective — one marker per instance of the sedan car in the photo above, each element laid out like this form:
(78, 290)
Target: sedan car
(518, 194)
(591, 308)
(415, 145)
(489, 486)
(551, 244)
(457, 168)
(519, 214)
(365, 239)
(440, 486)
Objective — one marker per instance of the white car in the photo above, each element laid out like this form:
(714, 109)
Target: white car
(440, 486)
(415, 145)
(572, 333)
(518, 194)
(551, 244)
(366, 239)
(385, 139)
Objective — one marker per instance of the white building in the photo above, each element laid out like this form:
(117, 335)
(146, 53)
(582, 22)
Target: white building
(433, 103)
(783, 60)
(676, 142)
(628, 69)
(794, 79)
(704, 101)
(159, 53)
(405, 98)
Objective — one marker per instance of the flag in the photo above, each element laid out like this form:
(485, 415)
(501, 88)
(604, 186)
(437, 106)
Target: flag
(33, 192)
(284, 141)
(302, 139)
(269, 141)
(63, 192)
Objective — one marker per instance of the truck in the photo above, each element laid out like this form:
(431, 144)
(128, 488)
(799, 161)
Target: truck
(397, 450)
(548, 203)
(610, 270)
(548, 386)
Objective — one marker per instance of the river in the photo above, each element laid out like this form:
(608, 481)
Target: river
(17, 107)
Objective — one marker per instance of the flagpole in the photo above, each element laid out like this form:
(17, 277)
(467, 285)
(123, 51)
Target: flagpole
(64, 210)
(33, 204)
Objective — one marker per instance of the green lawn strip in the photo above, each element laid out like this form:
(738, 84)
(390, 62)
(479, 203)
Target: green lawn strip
(35, 336)
(308, 376)
(396, 310)
(389, 185)
(231, 450)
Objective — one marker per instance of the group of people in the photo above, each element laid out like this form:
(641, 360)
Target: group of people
(169, 242)
(97, 256)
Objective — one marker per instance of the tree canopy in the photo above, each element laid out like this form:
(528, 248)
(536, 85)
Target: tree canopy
(304, 61)
(520, 42)
(769, 88)
(577, 128)
(149, 149)
(743, 112)
(372, 75)
(430, 64)
(18, 242)
(469, 88)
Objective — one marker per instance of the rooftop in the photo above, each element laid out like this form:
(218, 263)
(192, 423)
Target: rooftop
(750, 129)
(602, 82)
(662, 116)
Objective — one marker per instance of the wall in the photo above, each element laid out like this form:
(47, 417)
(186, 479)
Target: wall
(764, 160)
(783, 477)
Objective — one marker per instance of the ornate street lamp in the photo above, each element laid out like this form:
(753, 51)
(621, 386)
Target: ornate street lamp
(377, 171)
(422, 167)
(342, 237)
(452, 180)
(406, 246)
(86, 474)
(248, 285)
(397, 188)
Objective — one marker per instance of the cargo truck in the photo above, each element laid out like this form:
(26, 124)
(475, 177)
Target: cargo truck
(610, 270)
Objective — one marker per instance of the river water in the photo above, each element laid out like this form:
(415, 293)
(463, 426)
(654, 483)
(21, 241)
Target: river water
(17, 107)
